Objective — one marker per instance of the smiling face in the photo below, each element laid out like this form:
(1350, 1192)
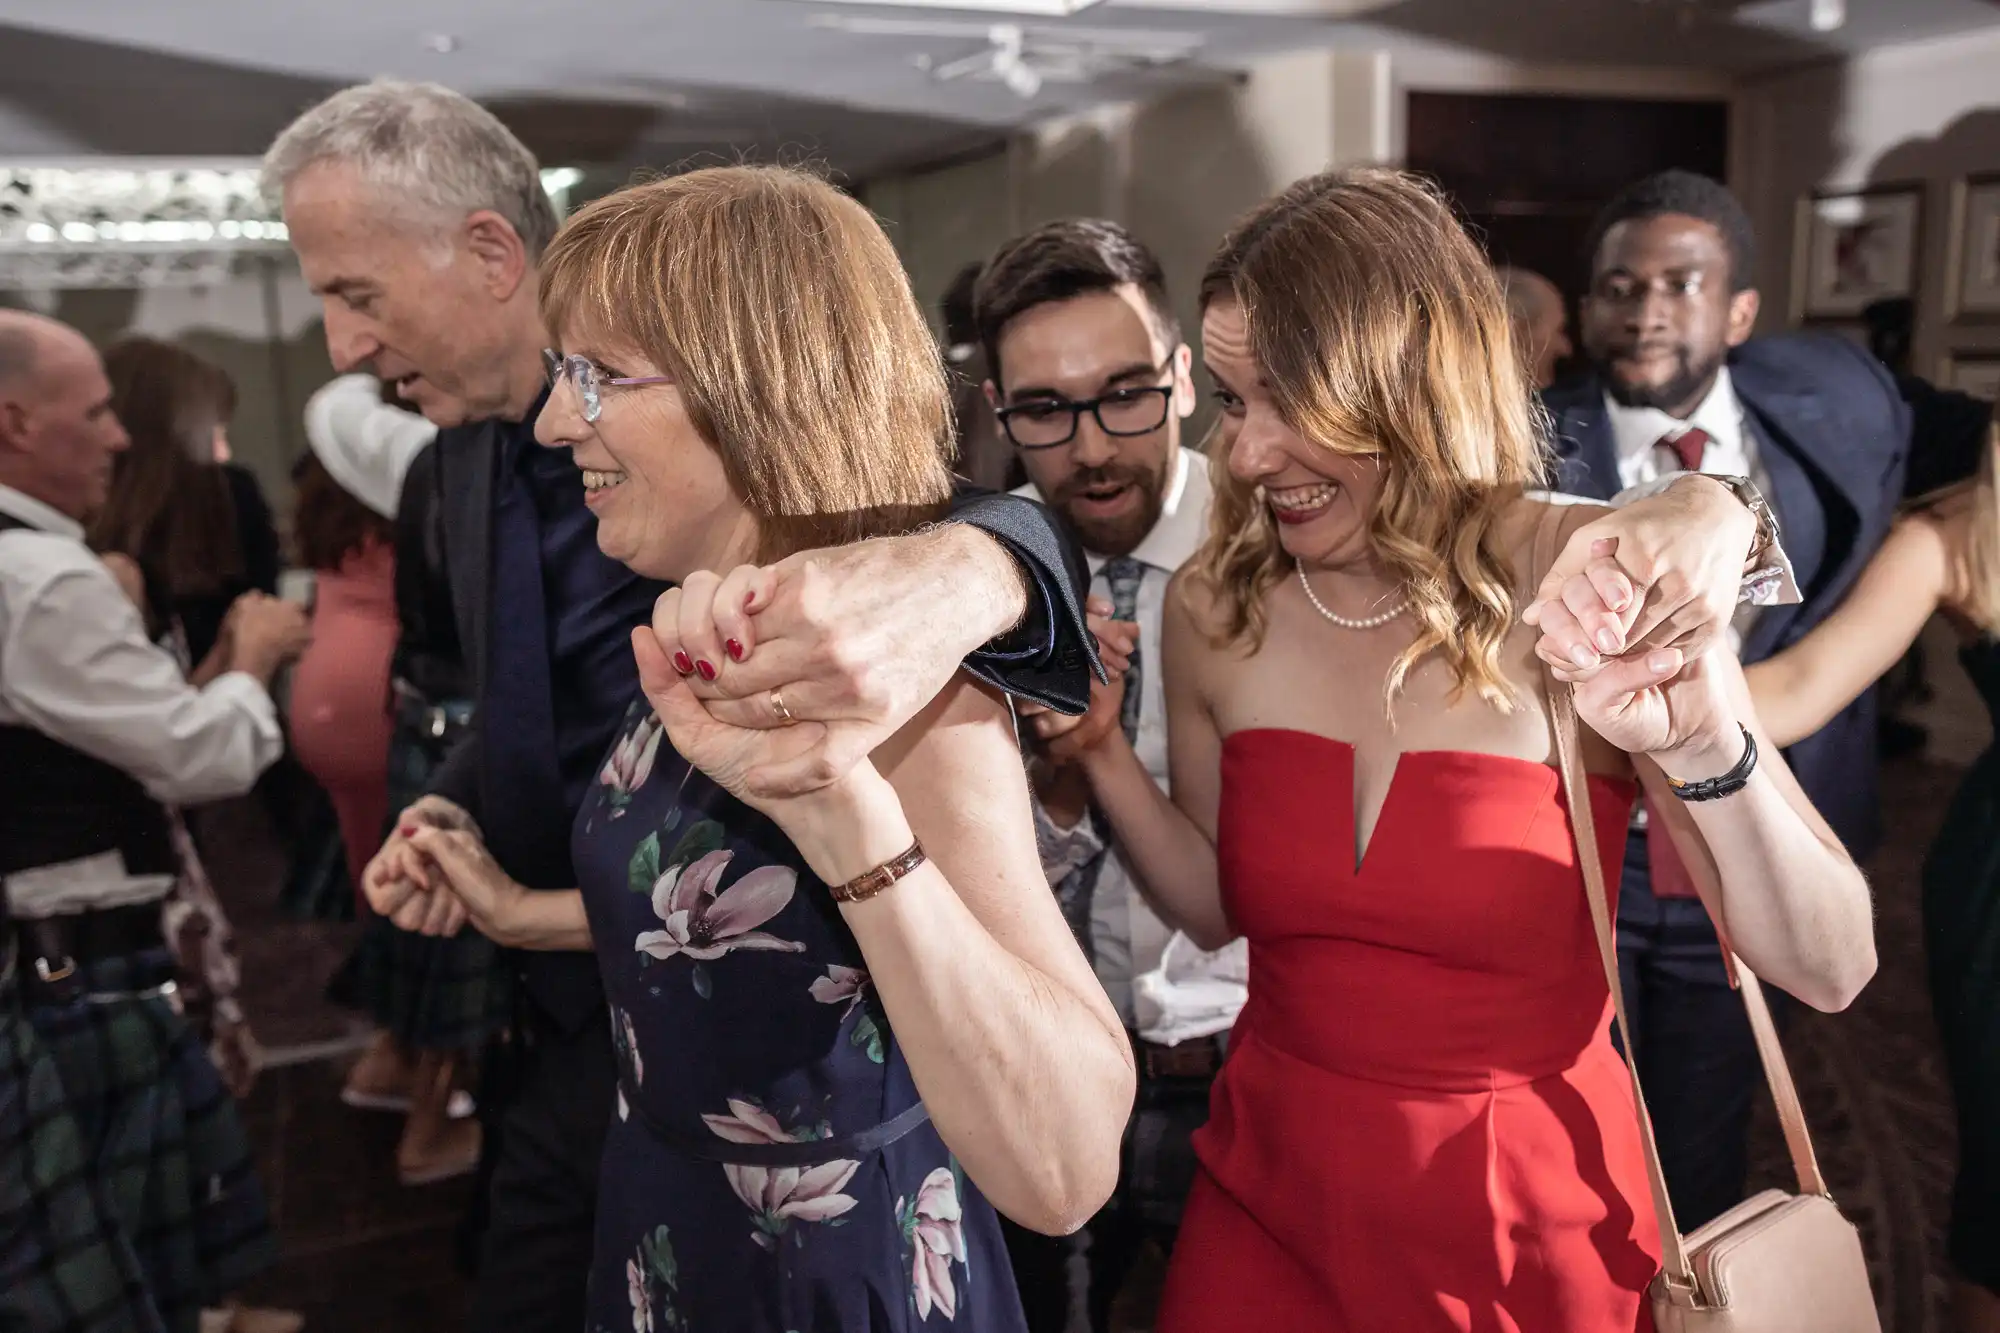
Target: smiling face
(1097, 345)
(1322, 499)
(419, 307)
(1660, 317)
(663, 501)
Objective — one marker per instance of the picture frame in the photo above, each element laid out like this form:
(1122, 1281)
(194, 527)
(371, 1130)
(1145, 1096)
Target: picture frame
(1854, 248)
(1975, 373)
(1972, 269)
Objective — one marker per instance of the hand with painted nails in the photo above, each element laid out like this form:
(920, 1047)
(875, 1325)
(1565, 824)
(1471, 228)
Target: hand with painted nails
(852, 641)
(1662, 572)
(398, 881)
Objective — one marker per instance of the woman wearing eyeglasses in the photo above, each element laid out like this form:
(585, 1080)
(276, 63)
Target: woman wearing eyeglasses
(847, 1020)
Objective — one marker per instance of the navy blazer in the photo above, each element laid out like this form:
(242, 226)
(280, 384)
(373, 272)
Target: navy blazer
(1833, 434)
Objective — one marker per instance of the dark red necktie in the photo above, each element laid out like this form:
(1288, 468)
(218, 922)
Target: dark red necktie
(1670, 877)
(1688, 446)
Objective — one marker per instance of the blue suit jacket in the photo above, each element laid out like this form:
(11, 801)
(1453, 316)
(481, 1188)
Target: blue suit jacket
(1833, 433)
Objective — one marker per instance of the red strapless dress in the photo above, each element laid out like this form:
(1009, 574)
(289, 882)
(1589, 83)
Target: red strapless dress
(1422, 1124)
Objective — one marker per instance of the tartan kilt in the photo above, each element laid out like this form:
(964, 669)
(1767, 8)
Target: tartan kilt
(429, 994)
(168, 1154)
(65, 1266)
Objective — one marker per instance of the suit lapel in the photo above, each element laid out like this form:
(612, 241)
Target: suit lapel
(1587, 457)
(467, 461)
(1801, 526)
(1819, 491)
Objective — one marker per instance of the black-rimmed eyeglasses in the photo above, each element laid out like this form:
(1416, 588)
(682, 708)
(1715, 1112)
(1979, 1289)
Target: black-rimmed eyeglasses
(1047, 422)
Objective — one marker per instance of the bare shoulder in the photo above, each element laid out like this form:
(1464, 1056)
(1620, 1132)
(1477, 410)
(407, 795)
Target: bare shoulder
(1936, 543)
(1520, 525)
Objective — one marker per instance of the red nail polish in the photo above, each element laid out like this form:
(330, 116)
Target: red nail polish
(683, 664)
(735, 650)
(407, 831)
(707, 671)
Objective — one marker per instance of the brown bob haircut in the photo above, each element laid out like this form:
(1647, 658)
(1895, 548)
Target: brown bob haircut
(782, 311)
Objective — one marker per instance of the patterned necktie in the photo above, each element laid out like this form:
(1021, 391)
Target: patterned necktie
(1079, 888)
(1670, 877)
(1125, 574)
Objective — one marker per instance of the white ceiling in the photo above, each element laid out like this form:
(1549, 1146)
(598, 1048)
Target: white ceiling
(622, 81)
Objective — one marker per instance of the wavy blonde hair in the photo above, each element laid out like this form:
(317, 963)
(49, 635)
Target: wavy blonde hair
(784, 313)
(1381, 330)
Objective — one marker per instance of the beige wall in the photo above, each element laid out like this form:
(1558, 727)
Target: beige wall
(1927, 111)
(1177, 170)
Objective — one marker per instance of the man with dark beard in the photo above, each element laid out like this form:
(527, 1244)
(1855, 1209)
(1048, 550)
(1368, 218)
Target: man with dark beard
(1090, 383)
(1679, 384)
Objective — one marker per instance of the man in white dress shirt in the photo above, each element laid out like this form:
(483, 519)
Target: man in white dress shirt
(1677, 383)
(98, 728)
(1091, 383)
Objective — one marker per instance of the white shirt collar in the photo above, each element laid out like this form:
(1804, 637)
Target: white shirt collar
(1183, 521)
(38, 515)
(1638, 429)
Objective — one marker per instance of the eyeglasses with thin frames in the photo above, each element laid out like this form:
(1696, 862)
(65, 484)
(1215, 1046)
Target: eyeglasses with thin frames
(1050, 423)
(588, 379)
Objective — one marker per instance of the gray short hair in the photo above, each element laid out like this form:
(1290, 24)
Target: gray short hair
(425, 146)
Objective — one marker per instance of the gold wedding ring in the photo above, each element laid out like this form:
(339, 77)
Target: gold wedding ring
(778, 707)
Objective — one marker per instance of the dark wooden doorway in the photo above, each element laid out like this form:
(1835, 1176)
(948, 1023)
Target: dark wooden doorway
(1531, 172)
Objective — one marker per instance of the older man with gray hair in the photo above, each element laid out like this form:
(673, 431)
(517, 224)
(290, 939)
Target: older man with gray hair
(418, 220)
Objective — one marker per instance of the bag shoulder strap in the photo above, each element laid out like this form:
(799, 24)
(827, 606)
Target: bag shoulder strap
(1583, 823)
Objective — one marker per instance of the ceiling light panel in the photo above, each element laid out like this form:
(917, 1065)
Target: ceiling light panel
(1037, 8)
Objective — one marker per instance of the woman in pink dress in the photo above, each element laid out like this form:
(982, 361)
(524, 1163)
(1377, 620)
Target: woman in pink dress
(339, 711)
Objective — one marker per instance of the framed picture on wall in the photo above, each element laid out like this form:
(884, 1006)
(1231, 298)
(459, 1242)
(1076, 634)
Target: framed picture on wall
(1854, 248)
(1976, 373)
(1972, 278)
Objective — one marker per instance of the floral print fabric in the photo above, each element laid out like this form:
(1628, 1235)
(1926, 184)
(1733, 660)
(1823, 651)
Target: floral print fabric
(743, 1187)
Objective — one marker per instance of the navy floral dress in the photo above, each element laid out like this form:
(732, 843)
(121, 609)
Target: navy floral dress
(771, 1169)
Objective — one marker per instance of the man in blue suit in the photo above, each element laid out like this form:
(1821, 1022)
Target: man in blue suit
(1678, 383)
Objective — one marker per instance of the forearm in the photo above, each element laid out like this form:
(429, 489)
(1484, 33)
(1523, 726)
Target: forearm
(210, 667)
(1786, 703)
(1789, 899)
(1027, 1081)
(1172, 858)
(543, 920)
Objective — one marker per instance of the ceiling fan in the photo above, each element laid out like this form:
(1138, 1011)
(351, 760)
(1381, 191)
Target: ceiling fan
(1023, 57)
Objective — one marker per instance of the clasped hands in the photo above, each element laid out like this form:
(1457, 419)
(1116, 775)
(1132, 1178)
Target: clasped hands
(852, 641)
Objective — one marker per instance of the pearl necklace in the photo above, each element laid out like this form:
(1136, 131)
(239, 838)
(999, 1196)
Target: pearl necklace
(1372, 622)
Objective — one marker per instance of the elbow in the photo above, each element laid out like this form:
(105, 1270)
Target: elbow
(1208, 936)
(1074, 1186)
(1842, 981)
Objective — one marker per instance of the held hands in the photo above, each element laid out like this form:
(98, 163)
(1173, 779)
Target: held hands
(467, 876)
(403, 884)
(1661, 572)
(1665, 704)
(852, 642)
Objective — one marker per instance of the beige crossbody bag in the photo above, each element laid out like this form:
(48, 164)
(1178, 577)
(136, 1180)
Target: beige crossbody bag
(1775, 1263)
